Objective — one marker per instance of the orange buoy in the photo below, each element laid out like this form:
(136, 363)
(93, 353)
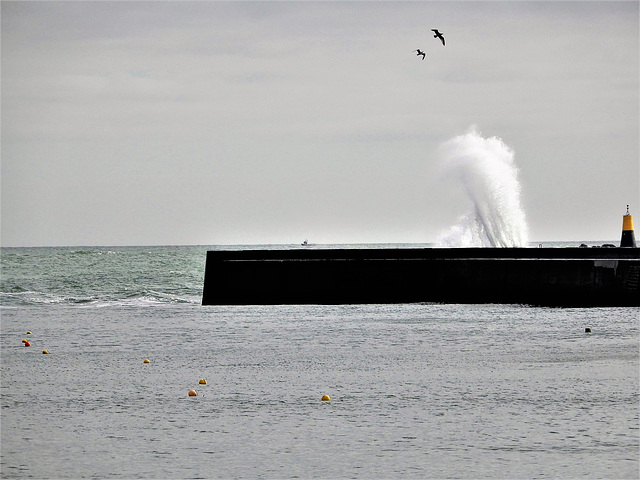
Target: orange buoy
(192, 393)
(27, 344)
(203, 381)
(326, 398)
(46, 352)
(146, 360)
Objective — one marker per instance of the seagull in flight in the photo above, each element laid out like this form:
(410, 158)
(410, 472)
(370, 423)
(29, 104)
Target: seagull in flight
(420, 52)
(438, 35)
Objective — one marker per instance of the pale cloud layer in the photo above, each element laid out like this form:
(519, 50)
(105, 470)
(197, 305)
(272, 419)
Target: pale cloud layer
(270, 122)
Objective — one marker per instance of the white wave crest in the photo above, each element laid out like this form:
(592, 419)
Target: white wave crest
(485, 167)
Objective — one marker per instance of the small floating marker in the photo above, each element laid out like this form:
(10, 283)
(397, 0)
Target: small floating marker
(28, 333)
(192, 393)
(46, 352)
(203, 381)
(24, 341)
(587, 330)
(326, 398)
(146, 360)
(26, 344)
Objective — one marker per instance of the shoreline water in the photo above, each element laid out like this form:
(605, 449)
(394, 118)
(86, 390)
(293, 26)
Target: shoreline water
(417, 390)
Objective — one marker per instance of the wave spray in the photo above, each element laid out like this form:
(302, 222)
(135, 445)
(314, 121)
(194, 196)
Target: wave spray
(486, 169)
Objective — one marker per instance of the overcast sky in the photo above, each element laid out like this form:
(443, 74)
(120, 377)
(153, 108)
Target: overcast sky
(142, 123)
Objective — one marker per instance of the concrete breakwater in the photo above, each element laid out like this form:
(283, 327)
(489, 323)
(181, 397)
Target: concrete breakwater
(534, 276)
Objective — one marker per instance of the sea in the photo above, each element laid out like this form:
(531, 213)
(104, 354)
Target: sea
(424, 390)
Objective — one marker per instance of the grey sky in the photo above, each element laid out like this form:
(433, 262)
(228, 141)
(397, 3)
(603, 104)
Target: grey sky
(129, 123)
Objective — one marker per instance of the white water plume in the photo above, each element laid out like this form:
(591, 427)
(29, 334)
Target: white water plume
(486, 169)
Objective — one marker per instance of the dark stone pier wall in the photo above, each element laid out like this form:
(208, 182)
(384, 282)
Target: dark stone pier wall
(535, 276)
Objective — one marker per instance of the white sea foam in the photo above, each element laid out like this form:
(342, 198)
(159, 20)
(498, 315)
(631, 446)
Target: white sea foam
(485, 168)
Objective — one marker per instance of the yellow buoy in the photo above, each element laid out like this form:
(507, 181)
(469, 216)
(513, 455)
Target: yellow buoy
(192, 393)
(46, 352)
(24, 341)
(203, 381)
(28, 333)
(326, 398)
(146, 360)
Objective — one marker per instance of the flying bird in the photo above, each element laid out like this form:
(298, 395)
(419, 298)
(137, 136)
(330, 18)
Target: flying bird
(420, 52)
(438, 35)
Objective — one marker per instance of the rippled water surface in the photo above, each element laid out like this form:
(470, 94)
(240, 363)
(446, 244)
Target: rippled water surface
(420, 390)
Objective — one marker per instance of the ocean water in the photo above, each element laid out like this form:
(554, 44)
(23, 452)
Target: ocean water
(417, 390)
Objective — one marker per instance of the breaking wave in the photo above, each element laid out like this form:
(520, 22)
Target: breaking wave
(101, 276)
(485, 168)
